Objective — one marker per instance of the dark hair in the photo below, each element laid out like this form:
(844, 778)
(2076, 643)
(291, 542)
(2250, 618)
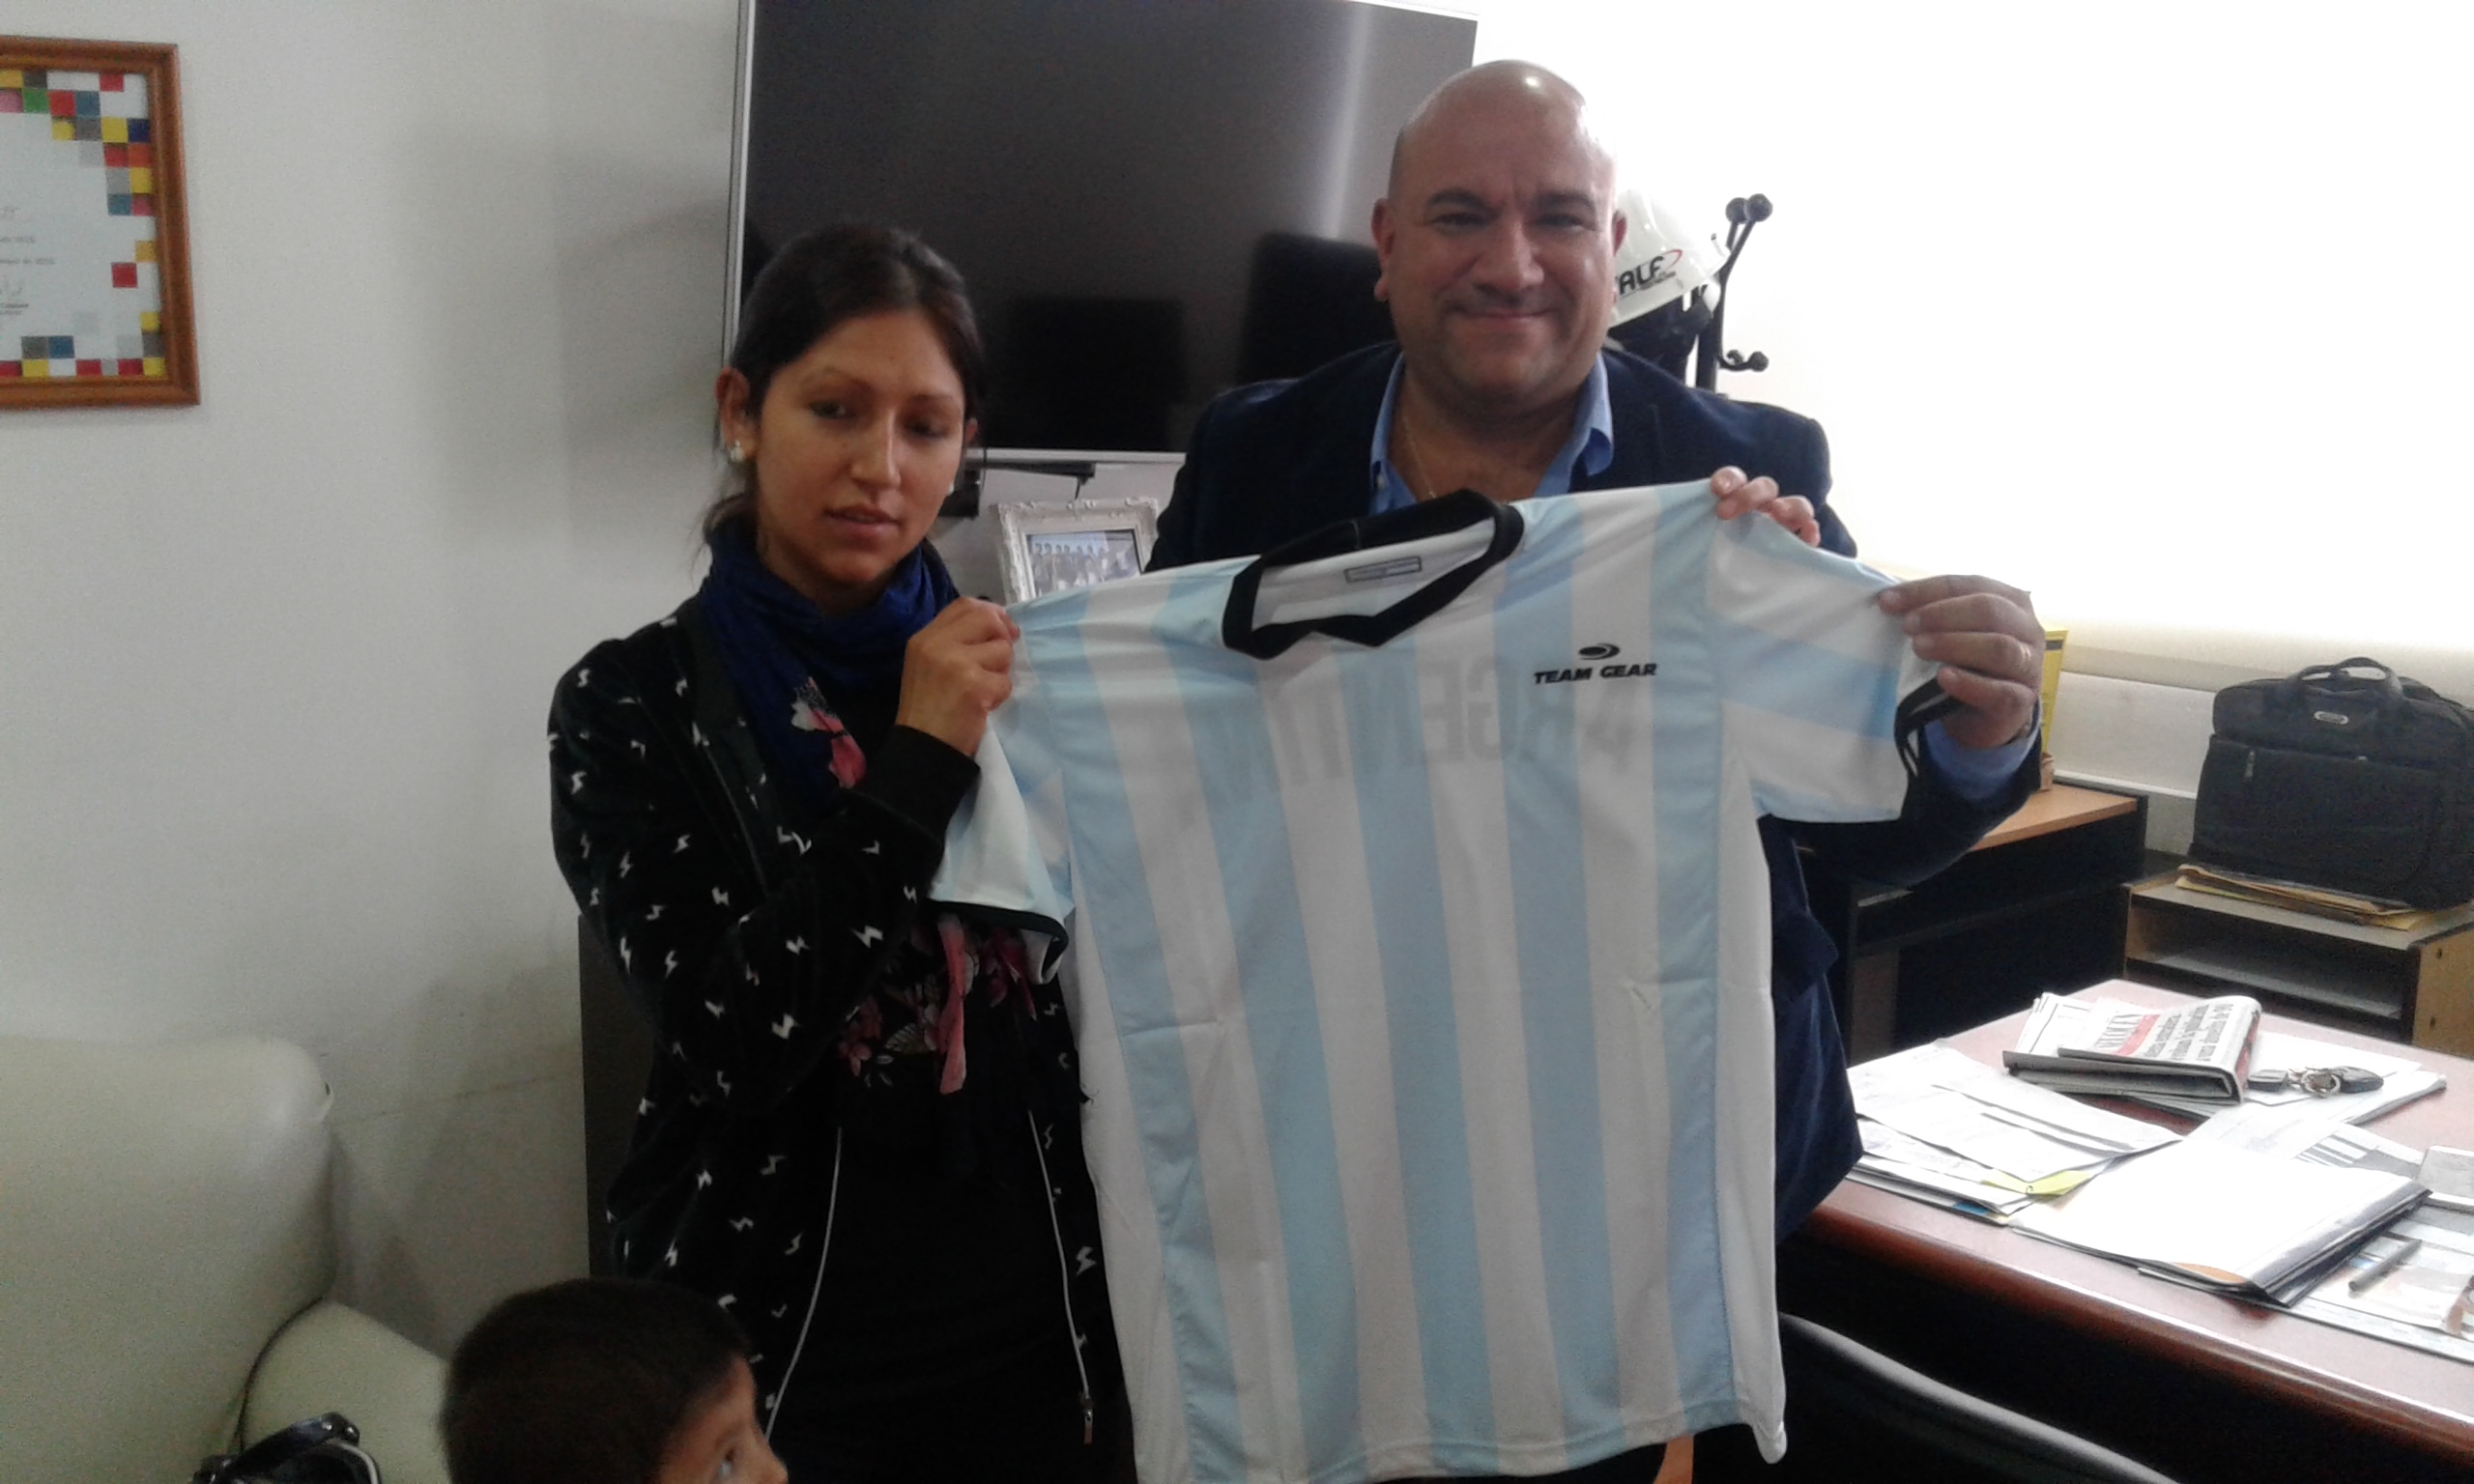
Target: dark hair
(833, 274)
(582, 1382)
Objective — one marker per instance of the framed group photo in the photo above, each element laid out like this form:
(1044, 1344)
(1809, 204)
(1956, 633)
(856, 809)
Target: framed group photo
(94, 240)
(1047, 547)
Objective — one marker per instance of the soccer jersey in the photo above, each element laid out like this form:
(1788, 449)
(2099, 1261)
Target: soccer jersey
(1418, 936)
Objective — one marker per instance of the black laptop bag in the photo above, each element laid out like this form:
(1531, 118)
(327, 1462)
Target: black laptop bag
(2347, 776)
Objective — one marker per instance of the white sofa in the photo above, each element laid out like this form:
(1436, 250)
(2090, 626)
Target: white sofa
(166, 1246)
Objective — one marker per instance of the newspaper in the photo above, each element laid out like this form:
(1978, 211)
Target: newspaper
(2199, 1051)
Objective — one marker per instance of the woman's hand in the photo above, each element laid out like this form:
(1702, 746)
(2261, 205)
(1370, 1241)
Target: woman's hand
(956, 671)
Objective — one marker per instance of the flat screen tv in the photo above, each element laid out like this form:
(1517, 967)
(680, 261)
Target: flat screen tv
(1151, 202)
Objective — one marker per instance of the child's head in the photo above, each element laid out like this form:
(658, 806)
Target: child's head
(602, 1381)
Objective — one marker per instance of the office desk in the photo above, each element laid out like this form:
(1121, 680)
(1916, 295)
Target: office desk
(2134, 1361)
(2037, 905)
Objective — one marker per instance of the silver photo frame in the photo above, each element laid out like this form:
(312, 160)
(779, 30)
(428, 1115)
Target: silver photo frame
(1050, 547)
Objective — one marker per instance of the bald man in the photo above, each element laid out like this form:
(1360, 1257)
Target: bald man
(1497, 236)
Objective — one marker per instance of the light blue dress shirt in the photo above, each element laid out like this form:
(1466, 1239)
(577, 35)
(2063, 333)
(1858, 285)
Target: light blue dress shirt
(1589, 450)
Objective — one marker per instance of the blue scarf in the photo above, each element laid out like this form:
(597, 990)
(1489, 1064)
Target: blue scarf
(785, 654)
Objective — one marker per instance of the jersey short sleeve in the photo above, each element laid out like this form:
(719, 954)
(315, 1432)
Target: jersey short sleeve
(1819, 687)
(1006, 853)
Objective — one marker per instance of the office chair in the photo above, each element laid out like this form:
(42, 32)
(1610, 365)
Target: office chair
(1854, 1415)
(1309, 300)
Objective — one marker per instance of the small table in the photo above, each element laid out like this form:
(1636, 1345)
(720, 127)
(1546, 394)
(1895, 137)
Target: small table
(2200, 1386)
(2413, 984)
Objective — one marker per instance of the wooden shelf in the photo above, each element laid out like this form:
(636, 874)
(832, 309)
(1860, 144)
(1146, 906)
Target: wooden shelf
(2251, 966)
(2166, 891)
(2405, 985)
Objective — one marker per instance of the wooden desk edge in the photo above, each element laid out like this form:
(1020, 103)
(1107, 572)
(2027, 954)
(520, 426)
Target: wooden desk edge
(2041, 1296)
(2058, 808)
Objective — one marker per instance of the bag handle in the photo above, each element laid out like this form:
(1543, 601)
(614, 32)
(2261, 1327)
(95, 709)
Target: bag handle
(330, 1437)
(2380, 685)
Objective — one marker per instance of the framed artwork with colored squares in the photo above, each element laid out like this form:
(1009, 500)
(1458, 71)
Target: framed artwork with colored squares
(94, 240)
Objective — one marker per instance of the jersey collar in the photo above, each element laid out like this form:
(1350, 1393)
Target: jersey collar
(1457, 512)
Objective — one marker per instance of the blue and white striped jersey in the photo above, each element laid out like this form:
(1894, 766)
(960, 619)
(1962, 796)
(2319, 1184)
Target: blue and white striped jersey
(1419, 965)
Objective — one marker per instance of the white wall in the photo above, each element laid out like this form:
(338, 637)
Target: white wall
(2158, 310)
(274, 669)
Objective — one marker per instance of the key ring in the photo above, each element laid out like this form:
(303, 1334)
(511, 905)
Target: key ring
(2317, 1081)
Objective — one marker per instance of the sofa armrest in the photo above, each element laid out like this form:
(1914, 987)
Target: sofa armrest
(335, 1358)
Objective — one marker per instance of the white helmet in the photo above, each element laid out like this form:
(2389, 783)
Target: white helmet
(1662, 260)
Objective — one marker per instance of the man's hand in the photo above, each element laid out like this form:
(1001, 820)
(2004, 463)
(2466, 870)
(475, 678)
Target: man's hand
(1740, 495)
(1991, 649)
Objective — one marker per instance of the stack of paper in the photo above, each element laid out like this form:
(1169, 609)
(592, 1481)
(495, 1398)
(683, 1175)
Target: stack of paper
(2421, 1297)
(1941, 1128)
(2211, 1212)
(2317, 901)
(1907, 1166)
(2271, 1200)
(2420, 1300)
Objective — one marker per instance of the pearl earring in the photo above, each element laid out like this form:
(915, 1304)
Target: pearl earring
(736, 452)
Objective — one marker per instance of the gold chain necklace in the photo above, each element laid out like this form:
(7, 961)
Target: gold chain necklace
(1409, 439)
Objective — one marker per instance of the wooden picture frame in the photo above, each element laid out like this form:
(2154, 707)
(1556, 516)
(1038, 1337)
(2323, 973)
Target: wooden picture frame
(93, 226)
(1048, 548)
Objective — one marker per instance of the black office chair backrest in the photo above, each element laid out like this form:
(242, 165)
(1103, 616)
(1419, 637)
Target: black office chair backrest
(1309, 300)
(1856, 1414)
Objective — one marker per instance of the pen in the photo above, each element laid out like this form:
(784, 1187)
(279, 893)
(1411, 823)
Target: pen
(2382, 1266)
